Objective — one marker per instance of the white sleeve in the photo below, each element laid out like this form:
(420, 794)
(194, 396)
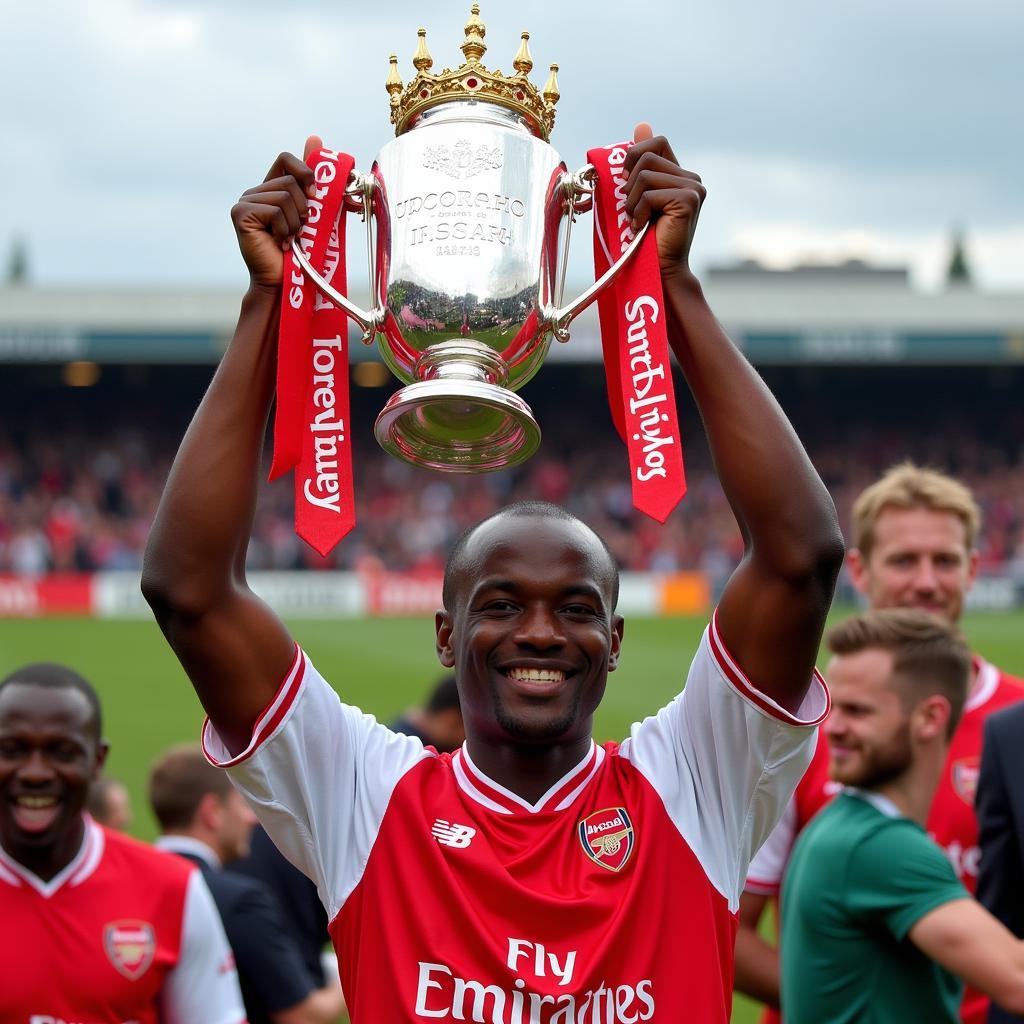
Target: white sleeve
(725, 758)
(319, 775)
(203, 984)
(768, 865)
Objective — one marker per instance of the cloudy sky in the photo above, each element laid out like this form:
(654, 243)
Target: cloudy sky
(823, 130)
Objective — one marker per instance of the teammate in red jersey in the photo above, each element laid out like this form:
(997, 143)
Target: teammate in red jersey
(914, 532)
(95, 927)
(532, 876)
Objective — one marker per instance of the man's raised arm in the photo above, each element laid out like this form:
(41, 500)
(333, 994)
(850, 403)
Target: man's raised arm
(233, 647)
(773, 609)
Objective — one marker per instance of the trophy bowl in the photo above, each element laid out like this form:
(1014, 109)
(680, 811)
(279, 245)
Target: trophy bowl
(469, 213)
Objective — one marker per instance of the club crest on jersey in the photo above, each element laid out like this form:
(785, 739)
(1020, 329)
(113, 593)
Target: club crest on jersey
(965, 778)
(130, 946)
(607, 837)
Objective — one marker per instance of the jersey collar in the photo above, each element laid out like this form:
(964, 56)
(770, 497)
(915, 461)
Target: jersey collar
(496, 797)
(986, 679)
(882, 804)
(81, 866)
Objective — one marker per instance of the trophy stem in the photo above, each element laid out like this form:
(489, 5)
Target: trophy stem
(463, 359)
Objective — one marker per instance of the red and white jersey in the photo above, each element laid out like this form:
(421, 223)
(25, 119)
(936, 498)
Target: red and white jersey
(812, 792)
(123, 935)
(951, 820)
(610, 899)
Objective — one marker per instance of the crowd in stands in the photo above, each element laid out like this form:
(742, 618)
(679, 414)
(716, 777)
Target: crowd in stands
(82, 499)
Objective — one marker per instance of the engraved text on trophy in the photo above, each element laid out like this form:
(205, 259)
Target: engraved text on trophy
(459, 221)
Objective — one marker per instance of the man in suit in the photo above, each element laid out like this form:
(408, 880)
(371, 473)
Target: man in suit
(304, 914)
(202, 817)
(999, 805)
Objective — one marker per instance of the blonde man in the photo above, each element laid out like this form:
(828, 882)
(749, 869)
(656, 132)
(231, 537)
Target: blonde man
(914, 536)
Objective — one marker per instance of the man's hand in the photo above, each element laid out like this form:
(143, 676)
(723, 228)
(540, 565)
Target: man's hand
(658, 187)
(269, 216)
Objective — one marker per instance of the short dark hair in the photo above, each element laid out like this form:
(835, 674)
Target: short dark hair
(52, 676)
(928, 655)
(517, 510)
(179, 780)
(444, 697)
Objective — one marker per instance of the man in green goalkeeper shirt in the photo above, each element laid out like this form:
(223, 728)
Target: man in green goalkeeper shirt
(876, 926)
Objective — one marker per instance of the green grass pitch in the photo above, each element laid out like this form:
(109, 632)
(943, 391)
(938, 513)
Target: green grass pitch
(381, 665)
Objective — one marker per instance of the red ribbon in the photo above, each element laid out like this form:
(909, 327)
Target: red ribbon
(311, 424)
(634, 338)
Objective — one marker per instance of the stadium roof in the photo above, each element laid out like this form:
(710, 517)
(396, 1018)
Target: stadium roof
(777, 317)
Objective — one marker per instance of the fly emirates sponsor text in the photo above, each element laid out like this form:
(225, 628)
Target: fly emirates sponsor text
(441, 995)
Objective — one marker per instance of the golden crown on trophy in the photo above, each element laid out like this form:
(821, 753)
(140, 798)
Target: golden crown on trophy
(472, 81)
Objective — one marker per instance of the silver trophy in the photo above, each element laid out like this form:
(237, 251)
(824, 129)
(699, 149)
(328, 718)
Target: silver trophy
(469, 213)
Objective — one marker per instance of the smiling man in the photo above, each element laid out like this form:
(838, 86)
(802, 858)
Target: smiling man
(94, 926)
(914, 546)
(876, 928)
(532, 876)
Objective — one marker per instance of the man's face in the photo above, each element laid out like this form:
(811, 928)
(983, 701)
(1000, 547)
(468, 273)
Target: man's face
(868, 728)
(532, 634)
(919, 559)
(49, 754)
(235, 827)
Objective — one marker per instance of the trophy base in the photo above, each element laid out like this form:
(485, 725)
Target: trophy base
(457, 426)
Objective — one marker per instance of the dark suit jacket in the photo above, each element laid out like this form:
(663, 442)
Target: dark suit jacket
(271, 973)
(296, 895)
(999, 805)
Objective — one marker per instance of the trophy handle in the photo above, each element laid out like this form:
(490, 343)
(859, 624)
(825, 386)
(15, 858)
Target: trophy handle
(359, 196)
(580, 190)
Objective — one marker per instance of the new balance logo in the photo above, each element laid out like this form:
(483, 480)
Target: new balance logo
(447, 834)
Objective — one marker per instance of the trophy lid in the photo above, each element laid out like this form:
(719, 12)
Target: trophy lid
(472, 81)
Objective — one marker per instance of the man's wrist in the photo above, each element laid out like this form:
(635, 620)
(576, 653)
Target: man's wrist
(261, 305)
(683, 290)
(680, 278)
(262, 293)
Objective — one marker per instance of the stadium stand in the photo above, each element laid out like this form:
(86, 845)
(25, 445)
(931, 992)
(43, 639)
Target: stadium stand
(96, 388)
